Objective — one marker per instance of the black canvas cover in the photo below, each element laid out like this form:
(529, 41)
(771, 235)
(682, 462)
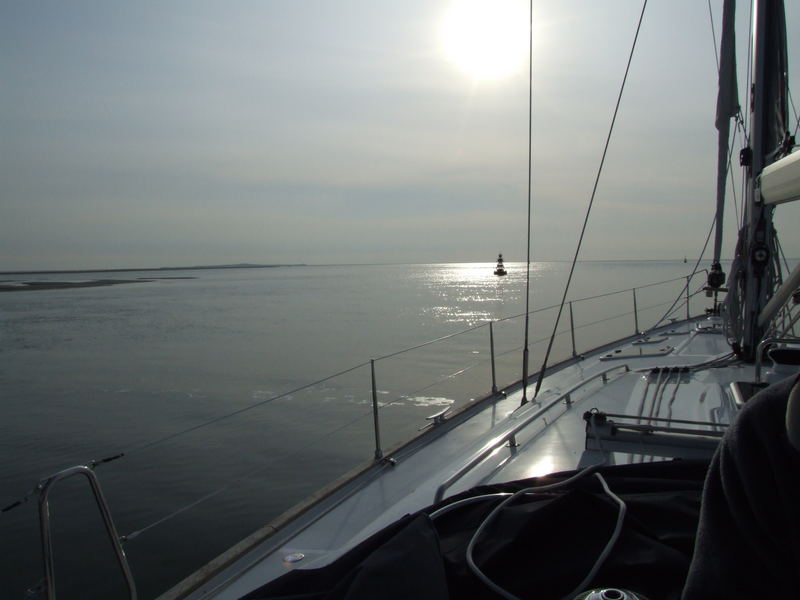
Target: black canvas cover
(541, 546)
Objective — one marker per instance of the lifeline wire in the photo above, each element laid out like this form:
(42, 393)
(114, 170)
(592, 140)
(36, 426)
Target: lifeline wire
(230, 485)
(170, 436)
(591, 202)
(247, 408)
(739, 117)
(147, 445)
(794, 110)
(713, 35)
(685, 287)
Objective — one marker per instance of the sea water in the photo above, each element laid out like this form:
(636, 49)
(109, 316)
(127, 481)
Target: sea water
(216, 387)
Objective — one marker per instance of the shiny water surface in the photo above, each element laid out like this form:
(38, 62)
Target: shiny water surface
(192, 378)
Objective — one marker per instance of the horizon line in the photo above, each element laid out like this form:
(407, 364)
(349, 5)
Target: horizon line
(278, 265)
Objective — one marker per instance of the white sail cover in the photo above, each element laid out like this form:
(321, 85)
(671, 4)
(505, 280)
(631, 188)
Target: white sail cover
(780, 181)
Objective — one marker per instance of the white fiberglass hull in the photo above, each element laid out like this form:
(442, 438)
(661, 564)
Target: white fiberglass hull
(472, 448)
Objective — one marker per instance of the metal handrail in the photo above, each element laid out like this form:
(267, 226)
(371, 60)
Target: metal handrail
(47, 543)
(371, 362)
(509, 436)
(763, 345)
(533, 312)
(665, 420)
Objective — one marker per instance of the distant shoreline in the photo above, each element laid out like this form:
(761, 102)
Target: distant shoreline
(148, 269)
(35, 286)
(272, 266)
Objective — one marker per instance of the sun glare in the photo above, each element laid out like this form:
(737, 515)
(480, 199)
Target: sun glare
(486, 38)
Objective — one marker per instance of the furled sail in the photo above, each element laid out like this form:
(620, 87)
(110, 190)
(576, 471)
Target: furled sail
(775, 141)
(727, 108)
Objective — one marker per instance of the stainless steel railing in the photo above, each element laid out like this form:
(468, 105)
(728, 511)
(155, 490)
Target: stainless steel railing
(764, 345)
(510, 435)
(635, 313)
(45, 487)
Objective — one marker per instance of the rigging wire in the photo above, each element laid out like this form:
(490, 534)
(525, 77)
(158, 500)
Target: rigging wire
(738, 116)
(676, 307)
(686, 286)
(734, 198)
(749, 69)
(794, 110)
(742, 126)
(247, 408)
(591, 202)
(525, 351)
(155, 442)
(713, 35)
(247, 475)
(589, 324)
(740, 120)
(744, 117)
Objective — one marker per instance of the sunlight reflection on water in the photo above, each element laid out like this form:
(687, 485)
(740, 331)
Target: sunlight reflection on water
(460, 287)
(127, 365)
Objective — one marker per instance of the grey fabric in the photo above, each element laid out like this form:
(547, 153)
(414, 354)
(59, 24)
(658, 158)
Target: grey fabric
(728, 93)
(748, 537)
(793, 417)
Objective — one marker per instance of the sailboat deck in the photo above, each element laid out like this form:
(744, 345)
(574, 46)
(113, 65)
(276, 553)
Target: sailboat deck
(549, 435)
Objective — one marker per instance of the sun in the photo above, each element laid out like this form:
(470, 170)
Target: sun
(488, 39)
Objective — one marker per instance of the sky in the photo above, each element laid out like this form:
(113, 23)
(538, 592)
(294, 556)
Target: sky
(148, 134)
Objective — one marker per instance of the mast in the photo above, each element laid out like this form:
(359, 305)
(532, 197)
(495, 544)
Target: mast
(757, 255)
